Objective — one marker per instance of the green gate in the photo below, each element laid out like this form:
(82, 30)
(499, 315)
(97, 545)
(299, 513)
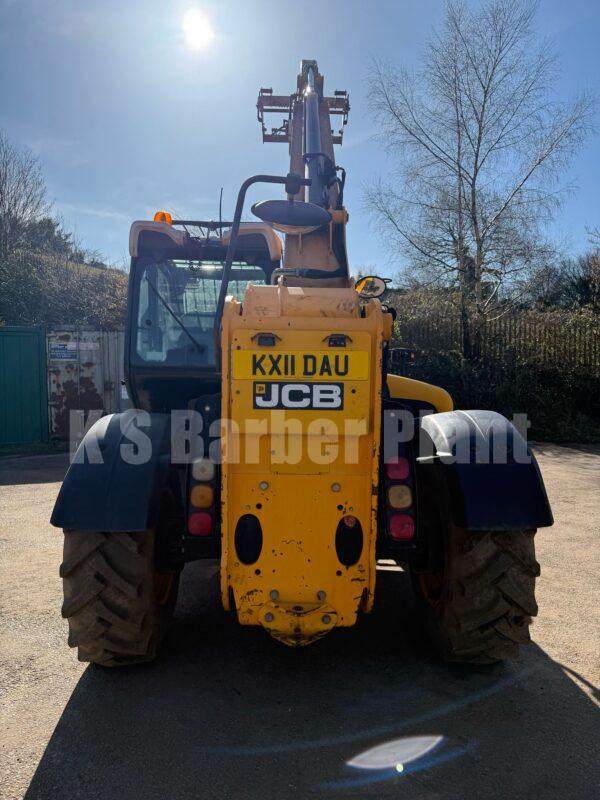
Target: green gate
(23, 393)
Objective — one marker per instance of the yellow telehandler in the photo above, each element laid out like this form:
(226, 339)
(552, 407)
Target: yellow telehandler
(269, 433)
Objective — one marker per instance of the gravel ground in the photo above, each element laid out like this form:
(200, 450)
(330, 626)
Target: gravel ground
(228, 713)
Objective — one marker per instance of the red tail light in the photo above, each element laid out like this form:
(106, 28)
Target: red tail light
(200, 524)
(402, 527)
(397, 470)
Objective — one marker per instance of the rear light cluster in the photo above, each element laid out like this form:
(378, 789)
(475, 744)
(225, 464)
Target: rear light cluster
(201, 519)
(399, 499)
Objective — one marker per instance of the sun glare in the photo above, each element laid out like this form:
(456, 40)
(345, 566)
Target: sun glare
(197, 29)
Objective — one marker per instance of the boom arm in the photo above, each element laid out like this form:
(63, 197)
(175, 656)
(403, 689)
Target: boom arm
(321, 254)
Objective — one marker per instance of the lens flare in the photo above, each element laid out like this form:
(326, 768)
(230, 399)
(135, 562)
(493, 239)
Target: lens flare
(396, 753)
(197, 30)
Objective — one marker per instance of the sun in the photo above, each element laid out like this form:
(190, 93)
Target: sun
(197, 30)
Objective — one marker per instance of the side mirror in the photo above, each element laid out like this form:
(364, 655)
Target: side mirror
(292, 216)
(371, 286)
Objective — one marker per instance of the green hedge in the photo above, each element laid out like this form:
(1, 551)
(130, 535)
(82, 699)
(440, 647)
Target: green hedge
(49, 289)
(562, 405)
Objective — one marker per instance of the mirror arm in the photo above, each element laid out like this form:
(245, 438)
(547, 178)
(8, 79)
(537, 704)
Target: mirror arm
(290, 180)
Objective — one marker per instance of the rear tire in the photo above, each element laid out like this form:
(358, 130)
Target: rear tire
(117, 604)
(478, 608)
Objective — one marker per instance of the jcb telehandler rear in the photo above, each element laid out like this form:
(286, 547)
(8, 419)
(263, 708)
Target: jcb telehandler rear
(270, 434)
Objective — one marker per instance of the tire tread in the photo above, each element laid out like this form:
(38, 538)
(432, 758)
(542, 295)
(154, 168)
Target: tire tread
(109, 602)
(488, 602)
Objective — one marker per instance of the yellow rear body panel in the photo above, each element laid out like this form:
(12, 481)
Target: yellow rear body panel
(405, 388)
(299, 469)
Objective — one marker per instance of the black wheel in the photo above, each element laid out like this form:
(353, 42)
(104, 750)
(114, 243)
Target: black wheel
(478, 605)
(117, 603)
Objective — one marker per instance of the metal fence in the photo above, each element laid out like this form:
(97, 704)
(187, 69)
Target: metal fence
(548, 340)
(23, 402)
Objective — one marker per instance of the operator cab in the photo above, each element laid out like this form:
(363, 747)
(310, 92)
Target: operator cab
(174, 286)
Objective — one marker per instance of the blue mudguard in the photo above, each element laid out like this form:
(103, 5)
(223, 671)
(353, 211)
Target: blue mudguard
(117, 475)
(492, 478)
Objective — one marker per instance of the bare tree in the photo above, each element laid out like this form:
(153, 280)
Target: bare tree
(22, 194)
(479, 144)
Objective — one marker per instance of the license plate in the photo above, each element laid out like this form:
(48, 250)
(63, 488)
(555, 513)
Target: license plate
(300, 365)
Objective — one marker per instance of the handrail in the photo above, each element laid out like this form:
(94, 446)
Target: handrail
(292, 184)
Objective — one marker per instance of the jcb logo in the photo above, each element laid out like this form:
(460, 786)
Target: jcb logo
(299, 395)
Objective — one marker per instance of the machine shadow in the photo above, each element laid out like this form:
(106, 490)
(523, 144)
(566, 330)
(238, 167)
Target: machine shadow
(587, 454)
(19, 470)
(228, 713)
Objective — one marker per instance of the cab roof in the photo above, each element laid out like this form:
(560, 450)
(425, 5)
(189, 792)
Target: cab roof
(257, 243)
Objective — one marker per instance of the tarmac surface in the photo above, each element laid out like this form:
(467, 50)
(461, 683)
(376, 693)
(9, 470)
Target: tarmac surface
(226, 712)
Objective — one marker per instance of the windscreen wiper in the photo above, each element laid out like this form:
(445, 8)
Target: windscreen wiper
(201, 348)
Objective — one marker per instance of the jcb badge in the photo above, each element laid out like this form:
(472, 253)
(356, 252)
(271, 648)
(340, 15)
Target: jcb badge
(321, 396)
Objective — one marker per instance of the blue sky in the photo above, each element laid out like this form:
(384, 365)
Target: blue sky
(126, 119)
